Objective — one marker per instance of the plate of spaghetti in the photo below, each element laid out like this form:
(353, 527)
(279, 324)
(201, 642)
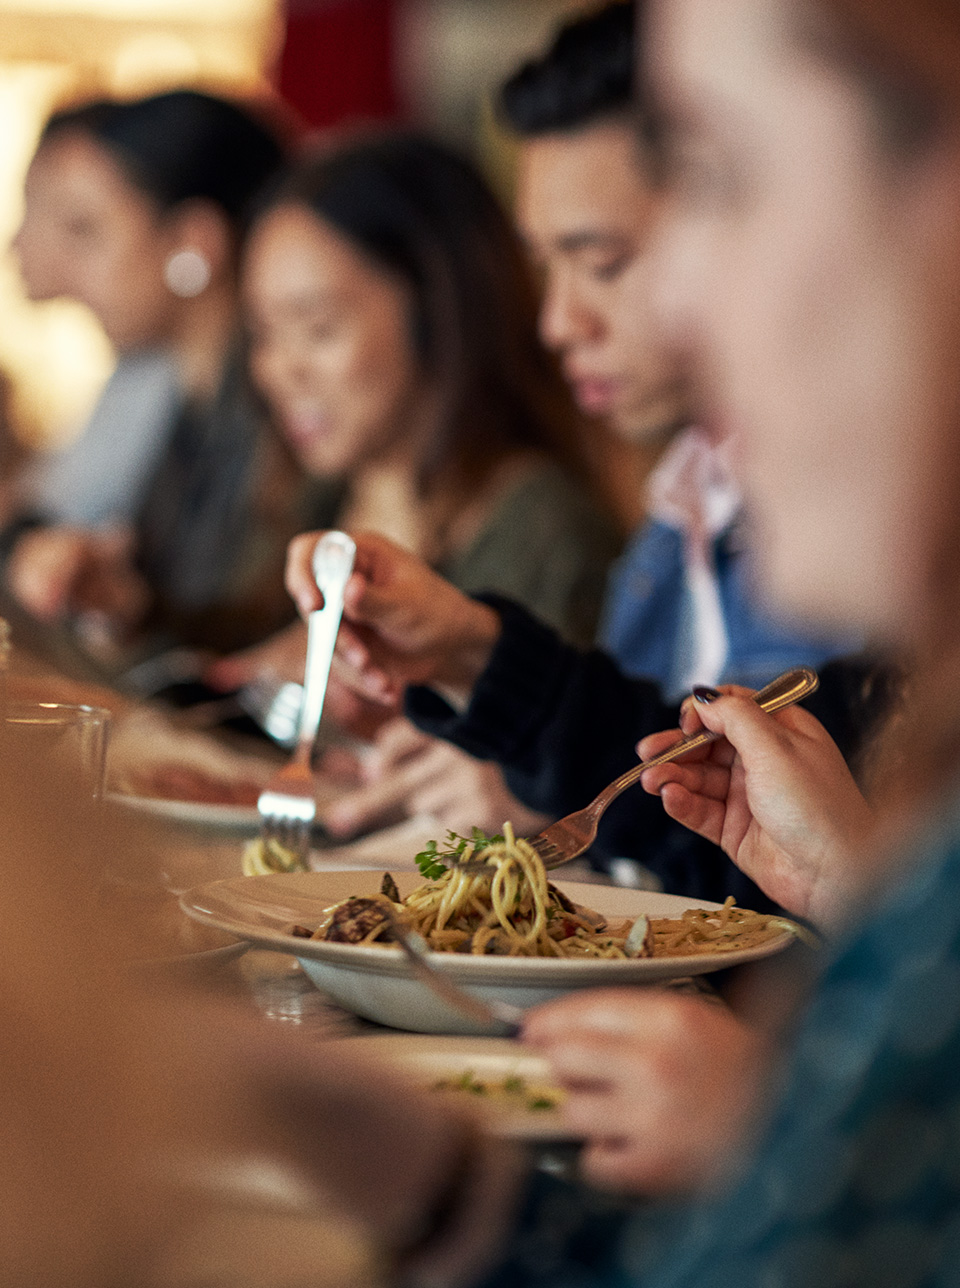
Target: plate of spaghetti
(495, 923)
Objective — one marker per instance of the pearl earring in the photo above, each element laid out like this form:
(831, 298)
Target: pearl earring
(187, 273)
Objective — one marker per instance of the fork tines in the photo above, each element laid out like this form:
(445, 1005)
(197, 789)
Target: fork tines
(287, 819)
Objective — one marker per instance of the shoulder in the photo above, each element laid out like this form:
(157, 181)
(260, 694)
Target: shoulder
(544, 500)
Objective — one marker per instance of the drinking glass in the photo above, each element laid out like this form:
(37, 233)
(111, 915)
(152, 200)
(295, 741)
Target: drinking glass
(70, 733)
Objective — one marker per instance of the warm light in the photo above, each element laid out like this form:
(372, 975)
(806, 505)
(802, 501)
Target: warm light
(51, 50)
(209, 11)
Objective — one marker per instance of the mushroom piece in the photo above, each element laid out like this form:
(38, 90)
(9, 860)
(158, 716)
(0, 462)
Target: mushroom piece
(639, 942)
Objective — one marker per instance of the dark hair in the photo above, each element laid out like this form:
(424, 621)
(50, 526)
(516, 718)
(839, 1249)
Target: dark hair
(424, 214)
(181, 146)
(586, 75)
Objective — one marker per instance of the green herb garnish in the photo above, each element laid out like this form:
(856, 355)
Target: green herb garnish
(434, 861)
(428, 863)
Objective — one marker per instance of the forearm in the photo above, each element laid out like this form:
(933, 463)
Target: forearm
(562, 724)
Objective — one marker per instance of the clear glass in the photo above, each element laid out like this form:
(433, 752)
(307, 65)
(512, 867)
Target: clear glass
(72, 734)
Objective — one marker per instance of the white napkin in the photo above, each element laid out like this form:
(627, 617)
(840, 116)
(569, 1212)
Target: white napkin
(693, 491)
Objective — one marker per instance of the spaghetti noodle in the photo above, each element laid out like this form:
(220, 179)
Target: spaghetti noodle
(509, 908)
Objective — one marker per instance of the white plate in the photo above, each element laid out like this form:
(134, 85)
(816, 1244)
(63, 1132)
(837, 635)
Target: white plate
(427, 1058)
(378, 984)
(190, 965)
(227, 818)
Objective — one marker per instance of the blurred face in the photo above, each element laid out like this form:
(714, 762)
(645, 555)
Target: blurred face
(331, 344)
(810, 278)
(89, 234)
(586, 211)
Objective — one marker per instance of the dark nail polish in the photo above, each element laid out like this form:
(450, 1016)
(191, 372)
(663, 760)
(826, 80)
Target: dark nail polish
(704, 693)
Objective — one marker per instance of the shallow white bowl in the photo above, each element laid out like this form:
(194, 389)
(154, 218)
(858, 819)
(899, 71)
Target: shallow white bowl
(378, 984)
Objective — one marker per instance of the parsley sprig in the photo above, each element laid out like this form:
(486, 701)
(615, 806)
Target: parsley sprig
(434, 861)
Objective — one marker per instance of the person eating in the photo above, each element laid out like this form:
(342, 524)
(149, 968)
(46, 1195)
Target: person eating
(810, 267)
(679, 608)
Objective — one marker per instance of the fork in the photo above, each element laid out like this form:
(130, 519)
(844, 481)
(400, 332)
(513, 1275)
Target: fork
(287, 805)
(569, 837)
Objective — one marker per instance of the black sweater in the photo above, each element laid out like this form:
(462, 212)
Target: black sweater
(563, 724)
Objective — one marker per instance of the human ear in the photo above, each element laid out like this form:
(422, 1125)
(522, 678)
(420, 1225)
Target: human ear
(200, 248)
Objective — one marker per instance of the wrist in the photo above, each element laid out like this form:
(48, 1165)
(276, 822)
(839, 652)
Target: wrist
(468, 659)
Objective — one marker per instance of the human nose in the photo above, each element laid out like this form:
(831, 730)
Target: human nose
(565, 317)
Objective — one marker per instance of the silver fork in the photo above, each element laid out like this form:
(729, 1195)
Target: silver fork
(570, 836)
(287, 805)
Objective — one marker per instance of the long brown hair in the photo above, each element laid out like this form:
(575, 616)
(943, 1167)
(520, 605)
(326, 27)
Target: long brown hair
(425, 214)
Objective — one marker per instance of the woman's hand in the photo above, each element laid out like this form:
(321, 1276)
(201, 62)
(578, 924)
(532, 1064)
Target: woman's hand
(402, 623)
(409, 773)
(281, 657)
(663, 1086)
(777, 795)
(57, 571)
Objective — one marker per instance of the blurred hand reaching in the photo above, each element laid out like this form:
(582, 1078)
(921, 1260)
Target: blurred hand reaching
(409, 773)
(663, 1086)
(58, 571)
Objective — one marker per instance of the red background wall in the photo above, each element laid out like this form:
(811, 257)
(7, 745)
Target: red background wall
(338, 60)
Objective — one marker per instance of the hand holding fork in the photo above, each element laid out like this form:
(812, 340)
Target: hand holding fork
(287, 804)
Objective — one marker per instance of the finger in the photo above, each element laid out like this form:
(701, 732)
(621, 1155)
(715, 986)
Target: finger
(375, 803)
(746, 726)
(704, 779)
(298, 576)
(581, 1062)
(599, 1010)
(396, 742)
(594, 1114)
(697, 813)
(454, 795)
(357, 670)
(609, 1165)
(656, 743)
(238, 669)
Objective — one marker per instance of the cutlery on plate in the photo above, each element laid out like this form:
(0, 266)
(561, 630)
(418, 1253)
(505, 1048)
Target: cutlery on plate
(287, 805)
(508, 1019)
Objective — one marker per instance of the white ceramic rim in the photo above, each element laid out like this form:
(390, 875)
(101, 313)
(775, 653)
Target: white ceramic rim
(207, 904)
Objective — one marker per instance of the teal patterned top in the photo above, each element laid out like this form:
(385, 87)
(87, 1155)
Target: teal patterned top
(856, 1183)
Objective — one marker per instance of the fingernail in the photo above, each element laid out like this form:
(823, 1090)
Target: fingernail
(704, 693)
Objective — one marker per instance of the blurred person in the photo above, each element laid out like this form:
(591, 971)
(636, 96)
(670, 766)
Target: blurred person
(588, 203)
(392, 322)
(160, 521)
(134, 1110)
(824, 138)
(679, 608)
